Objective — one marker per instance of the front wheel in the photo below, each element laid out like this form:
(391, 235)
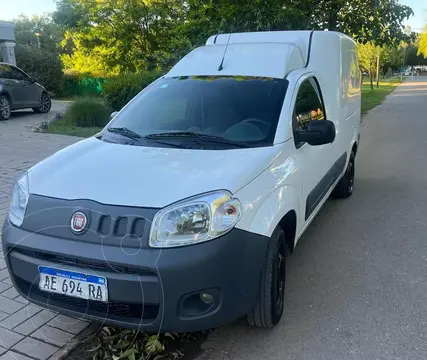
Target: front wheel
(345, 186)
(45, 104)
(268, 309)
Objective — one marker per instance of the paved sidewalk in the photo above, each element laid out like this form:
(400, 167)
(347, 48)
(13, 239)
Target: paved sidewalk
(28, 331)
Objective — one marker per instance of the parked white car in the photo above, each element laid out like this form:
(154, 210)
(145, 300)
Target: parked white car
(180, 214)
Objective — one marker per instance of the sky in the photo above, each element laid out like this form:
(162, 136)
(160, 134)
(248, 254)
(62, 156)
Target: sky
(419, 21)
(38, 7)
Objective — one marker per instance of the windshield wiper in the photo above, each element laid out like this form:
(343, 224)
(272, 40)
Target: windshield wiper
(124, 131)
(198, 136)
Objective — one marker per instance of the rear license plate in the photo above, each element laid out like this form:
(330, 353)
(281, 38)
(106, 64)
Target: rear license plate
(71, 283)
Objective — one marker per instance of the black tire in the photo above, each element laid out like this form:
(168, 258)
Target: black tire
(5, 108)
(345, 186)
(268, 309)
(45, 104)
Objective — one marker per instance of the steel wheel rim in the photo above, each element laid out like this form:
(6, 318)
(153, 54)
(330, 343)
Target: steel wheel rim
(281, 274)
(4, 108)
(45, 103)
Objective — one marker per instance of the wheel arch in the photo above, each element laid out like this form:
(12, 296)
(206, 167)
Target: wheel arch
(5, 93)
(289, 225)
(355, 147)
(280, 208)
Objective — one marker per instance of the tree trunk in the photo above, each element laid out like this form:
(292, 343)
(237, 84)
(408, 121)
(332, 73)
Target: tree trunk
(378, 71)
(371, 78)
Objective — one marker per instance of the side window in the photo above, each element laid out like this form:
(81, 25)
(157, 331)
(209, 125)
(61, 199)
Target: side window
(5, 71)
(308, 105)
(17, 74)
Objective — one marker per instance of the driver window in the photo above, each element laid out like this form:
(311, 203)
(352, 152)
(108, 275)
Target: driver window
(17, 75)
(308, 105)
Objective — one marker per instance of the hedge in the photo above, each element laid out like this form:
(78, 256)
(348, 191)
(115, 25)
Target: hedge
(119, 90)
(81, 85)
(41, 64)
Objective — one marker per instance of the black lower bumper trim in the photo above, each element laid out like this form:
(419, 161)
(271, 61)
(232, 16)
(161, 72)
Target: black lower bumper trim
(155, 290)
(114, 310)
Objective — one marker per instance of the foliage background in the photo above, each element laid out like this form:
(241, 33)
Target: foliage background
(98, 41)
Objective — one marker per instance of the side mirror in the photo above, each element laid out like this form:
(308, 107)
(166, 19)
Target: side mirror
(113, 114)
(318, 132)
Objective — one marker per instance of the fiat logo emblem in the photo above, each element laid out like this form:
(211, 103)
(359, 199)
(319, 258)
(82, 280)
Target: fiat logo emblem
(78, 222)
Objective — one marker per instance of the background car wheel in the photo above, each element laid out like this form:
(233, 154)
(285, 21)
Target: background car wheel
(46, 104)
(5, 108)
(345, 186)
(268, 309)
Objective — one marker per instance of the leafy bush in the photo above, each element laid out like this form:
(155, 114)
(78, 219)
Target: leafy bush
(119, 90)
(87, 112)
(41, 64)
(76, 84)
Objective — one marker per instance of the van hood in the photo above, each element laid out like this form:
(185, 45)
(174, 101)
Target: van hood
(140, 176)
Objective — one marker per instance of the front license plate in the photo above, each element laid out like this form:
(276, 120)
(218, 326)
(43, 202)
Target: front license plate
(71, 283)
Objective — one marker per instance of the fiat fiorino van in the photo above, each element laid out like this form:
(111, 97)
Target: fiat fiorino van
(179, 215)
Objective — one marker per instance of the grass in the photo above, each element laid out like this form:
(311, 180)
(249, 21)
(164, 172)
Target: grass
(84, 117)
(63, 98)
(60, 127)
(372, 98)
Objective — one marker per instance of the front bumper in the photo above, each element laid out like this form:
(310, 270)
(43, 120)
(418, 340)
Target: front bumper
(149, 289)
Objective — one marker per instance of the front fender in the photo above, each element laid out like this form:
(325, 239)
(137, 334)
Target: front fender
(269, 197)
(264, 214)
(273, 209)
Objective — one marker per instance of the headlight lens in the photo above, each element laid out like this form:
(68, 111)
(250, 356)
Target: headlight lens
(18, 204)
(195, 220)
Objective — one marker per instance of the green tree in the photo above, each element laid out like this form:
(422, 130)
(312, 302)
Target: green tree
(378, 21)
(368, 54)
(392, 58)
(124, 35)
(207, 17)
(50, 34)
(422, 43)
(116, 36)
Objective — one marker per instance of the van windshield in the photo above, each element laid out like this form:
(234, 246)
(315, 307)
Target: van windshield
(237, 109)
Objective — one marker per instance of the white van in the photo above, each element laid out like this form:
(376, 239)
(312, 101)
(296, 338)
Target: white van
(180, 214)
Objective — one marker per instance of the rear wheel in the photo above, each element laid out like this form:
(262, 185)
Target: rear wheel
(45, 104)
(268, 309)
(345, 186)
(5, 108)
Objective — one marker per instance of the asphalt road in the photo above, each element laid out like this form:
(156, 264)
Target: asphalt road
(357, 281)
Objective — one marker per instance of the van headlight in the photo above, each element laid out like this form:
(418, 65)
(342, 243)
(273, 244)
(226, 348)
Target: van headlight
(18, 204)
(195, 220)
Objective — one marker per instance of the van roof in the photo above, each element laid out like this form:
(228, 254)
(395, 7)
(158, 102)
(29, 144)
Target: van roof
(264, 53)
(260, 59)
(299, 39)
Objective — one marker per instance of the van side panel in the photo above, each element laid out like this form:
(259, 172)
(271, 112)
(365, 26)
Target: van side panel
(333, 59)
(351, 95)
(325, 63)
